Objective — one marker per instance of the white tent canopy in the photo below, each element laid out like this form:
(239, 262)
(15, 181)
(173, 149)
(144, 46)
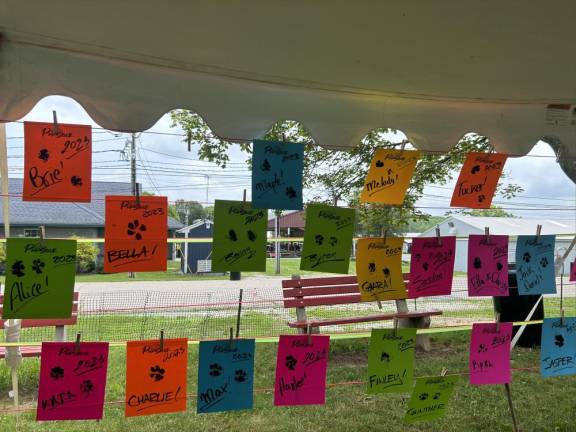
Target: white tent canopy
(435, 70)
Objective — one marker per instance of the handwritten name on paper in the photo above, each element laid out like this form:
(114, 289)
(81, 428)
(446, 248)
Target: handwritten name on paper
(487, 265)
(239, 237)
(430, 398)
(389, 176)
(72, 381)
(57, 165)
(39, 278)
(379, 268)
(277, 169)
(535, 265)
(135, 234)
(558, 353)
(225, 375)
(327, 239)
(490, 353)
(431, 266)
(156, 376)
(391, 360)
(301, 370)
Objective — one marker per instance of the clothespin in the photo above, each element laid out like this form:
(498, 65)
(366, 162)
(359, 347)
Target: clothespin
(498, 322)
(487, 234)
(42, 232)
(438, 235)
(538, 231)
(309, 332)
(385, 235)
(378, 302)
(77, 347)
(231, 338)
(283, 137)
(161, 340)
(189, 141)
(443, 373)
(137, 195)
(402, 147)
(395, 326)
(55, 128)
(244, 197)
(239, 313)
(561, 317)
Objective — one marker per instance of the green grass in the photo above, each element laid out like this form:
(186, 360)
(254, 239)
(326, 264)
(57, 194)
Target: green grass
(541, 404)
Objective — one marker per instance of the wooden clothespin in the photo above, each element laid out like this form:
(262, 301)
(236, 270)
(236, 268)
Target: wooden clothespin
(438, 239)
(561, 317)
(161, 340)
(283, 137)
(395, 326)
(443, 373)
(538, 231)
(189, 141)
(137, 195)
(239, 313)
(498, 322)
(385, 235)
(378, 302)
(487, 234)
(309, 332)
(403, 146)
(55, 128)
(244, 197)
(42, 231)
(77, 346)
(231, 338)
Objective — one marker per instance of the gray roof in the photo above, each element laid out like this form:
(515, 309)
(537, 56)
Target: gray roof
(64, 214)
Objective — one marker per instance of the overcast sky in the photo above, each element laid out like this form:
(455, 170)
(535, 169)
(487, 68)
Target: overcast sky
(167, 168)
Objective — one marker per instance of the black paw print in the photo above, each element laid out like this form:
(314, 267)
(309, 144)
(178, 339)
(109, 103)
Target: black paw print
(475, 169)
(157, 373)
(135, 229)
(499, 266)
(251, 236)
(371, 267)
(385, 357)
(477, 263)
(290, 192)
(76, 181)
(18, 268)
(232, 235)
(291, 362)
(559, 341)
(436, 395)
(87, 387)
(526, 257)
(544, 262)
(481, 198)
(240, 376)
(44, 155)
(386, 272)
(319, 239)
(423, 396)
(38, 266)
(57, 373)
(215, 369)
(266, 165)
(333, 241)
(425, 266)
(379, 164)
(482, 348)
(390, 172)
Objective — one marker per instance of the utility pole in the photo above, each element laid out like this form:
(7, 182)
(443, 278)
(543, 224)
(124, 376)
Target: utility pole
(132, 275)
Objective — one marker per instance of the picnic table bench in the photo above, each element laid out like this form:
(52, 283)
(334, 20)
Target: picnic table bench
(339, 290)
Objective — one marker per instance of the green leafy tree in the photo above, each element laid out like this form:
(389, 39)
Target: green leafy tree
(493, 211)
(86, 254)
(337, 176)
(186, 212)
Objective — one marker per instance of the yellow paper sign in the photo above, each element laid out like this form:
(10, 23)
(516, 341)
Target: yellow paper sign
(389, 176)
(379, 268)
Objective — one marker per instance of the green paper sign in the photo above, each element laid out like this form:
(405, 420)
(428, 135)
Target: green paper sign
(391, 360)
(327, 239)
(430, 398)
(39, 278)
(239, 237)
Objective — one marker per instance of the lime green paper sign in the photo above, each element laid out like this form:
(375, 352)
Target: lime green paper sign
(430, 398)
(239, 237)
(327, 239)
(39, 278)
(391, 360)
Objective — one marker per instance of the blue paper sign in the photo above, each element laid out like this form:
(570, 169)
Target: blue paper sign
(225, 375)
(535, 265)
(558, 353)
(277, 175)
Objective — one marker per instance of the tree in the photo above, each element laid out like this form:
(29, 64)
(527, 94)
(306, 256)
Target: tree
(186, 212)
(332, 176)
(493, 211)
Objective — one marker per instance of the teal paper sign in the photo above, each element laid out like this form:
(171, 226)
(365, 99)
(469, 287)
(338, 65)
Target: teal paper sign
(535, 265)
(277, 175)
(558, 353)
(39, 278)
(239, 237)
(327, 239)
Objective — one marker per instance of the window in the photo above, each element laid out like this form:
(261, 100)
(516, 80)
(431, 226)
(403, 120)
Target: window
(34, 232)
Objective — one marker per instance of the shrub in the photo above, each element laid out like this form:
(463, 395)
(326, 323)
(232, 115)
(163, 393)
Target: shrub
(86, 254)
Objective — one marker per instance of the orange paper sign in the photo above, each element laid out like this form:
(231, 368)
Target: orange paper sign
(478, 180)
(57, 164)
(135, 234)
(156, 378)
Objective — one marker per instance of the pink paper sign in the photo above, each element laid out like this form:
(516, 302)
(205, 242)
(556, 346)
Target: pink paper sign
(487, 265)
(490, 354)
(431, 266)
(72, 382)
(573, 271)
(301, 370)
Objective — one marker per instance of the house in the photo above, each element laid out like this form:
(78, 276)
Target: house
(65, 219)
(463, 226)
(196, 257)
(290, 224)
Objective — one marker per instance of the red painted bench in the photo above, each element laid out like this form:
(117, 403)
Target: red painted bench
(59, 324)
(329, 291)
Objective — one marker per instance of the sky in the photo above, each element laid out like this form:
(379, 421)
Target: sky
(165, 167)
